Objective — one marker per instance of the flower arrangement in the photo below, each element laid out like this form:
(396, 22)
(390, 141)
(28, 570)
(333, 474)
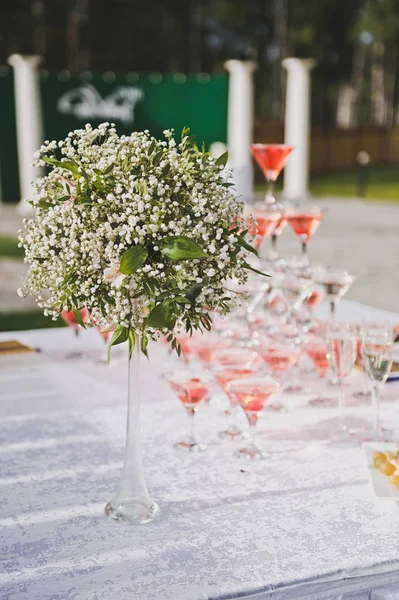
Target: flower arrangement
(138, 231)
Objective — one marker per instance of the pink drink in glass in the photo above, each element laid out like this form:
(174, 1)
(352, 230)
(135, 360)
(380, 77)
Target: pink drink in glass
(271, 158)
(280, 358)
(252, 394)
(190, 393)
(305, 224)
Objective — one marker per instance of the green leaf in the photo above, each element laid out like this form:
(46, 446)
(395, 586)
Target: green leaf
(133, 259)
(109, 169)
(162, 315)
(222, 160)
(227, 184)
(69, 165)
(62, 198)
(157, 158)
(247, 266)
(144, 344)
(78, 318)
(185, 131)
(43, 204)
(181, 248)
(194, 291)
(132, 341)
(69, 277)
(119, 336)
(125, 164)
(151, 148)
(244, 244)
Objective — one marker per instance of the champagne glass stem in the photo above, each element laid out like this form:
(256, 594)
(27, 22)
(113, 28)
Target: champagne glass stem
(233, 414)
(191, 416)
(269, 198)
(333, 307)
(375, 403)
(252, 432)
(305, 255)
(341, 405)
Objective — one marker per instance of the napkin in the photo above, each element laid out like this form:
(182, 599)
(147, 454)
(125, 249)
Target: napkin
(13, 347)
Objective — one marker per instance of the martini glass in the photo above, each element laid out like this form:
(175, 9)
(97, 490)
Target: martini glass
(279, 357)
(295, 289)
(69, 318)
(304, 224)
(316, 347)
(191, 390)
(271, 158)
(267, 219)
(224, 374)
(335, 282)
(252, 394)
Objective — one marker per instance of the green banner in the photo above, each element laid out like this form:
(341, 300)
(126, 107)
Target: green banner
(135, 102)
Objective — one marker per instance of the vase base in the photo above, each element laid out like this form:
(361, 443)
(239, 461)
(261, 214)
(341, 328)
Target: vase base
(132, 512)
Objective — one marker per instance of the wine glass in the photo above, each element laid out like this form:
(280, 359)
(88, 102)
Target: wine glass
(342, 343)
(252, 394)
(68, 316)
(304, 223)
(335, 282)
(192, 390)
(377, 345)
(271, 159)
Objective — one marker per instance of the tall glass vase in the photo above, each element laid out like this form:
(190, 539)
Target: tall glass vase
(132, 503)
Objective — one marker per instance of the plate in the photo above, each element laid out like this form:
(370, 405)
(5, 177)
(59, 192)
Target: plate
(381, 484)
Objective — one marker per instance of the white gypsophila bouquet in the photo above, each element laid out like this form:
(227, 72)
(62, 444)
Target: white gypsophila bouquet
(141, 232)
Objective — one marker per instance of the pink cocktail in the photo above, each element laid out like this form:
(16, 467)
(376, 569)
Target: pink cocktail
(191, 390)
(317, 349)
(224, 374)
(252, 394)
(266, 223)
(304, 225)
(190, 393)
(271, 158)
(279, 358)
(69, 318)
(317, 352)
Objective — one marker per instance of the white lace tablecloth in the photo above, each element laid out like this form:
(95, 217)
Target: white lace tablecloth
(302, 524)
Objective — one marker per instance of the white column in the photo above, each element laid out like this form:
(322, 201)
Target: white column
(29, 124)
(240, 124)
(297, 126)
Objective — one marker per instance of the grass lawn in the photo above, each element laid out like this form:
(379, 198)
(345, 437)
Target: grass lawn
(27, 320)
(9, 247)
(383, 184)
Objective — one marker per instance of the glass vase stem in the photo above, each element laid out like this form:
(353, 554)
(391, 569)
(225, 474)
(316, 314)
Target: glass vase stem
(132, 503)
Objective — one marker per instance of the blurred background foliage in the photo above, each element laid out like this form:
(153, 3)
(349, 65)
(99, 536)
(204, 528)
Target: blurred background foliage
(355, 44)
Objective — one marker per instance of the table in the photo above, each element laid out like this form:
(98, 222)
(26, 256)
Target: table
(304, 524)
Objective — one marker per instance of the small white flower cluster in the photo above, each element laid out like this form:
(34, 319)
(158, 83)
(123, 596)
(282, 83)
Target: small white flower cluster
(106, 194)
